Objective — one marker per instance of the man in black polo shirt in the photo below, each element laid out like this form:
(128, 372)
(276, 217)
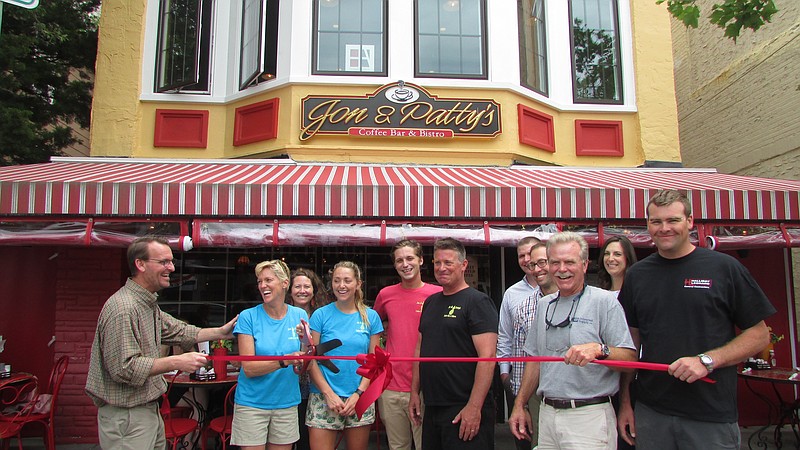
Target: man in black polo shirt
(459, 321)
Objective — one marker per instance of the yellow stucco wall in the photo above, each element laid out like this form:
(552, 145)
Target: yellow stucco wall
(116, 111)
(124, 126)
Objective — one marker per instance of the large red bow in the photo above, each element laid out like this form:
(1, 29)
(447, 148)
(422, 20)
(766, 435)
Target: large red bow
(377, 367)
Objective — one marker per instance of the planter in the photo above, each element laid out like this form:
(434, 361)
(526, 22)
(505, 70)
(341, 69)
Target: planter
(221, 367)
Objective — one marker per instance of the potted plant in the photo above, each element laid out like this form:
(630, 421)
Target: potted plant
(220, 348)
(224, 345)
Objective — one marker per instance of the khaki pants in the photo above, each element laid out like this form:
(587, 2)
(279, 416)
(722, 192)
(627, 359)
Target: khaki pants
(137, 428)
(400, 430)
(592, 427)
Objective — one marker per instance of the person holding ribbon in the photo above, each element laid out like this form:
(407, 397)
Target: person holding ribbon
(268, 392)
(332, 402)
(307, 292)
(683, 304)
(125, 378)
(460, 321)
(581, 324)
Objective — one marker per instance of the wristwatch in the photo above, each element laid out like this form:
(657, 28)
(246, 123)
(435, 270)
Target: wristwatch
(282, 364)
(605, 352)
(707, 361)
(359, 392)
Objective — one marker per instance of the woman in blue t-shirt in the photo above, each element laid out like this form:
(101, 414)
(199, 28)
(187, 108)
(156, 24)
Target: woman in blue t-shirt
(331, 405)
(265, 410)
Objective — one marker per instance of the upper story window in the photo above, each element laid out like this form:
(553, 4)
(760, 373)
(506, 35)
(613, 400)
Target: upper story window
(451, 38)
(184, 61)
(596, 68)
(184, 41)
(533, 45)
(350, 37)
(259, 43)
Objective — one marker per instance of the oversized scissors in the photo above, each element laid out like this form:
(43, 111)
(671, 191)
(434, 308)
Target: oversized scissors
(317, 350)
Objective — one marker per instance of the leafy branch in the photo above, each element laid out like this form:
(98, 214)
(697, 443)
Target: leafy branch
(731, 15)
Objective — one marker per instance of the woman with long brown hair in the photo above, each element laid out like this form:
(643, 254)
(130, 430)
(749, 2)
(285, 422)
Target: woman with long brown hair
(306, 291)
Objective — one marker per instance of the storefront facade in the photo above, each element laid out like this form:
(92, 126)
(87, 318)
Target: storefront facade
(291, 135)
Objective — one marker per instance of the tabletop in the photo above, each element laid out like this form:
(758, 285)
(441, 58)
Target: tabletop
(183, 379)
(774, 375)
(16, 377)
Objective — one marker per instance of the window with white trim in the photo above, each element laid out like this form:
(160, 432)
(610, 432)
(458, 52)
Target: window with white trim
(350, 37)
(596, 67)
(184, 50)
(533, 45)
(184, 41)
(450, 38)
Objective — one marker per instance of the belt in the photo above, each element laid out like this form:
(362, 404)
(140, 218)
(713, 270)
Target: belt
(569, 404)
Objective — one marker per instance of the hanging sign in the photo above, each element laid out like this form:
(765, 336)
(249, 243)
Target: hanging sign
(30, 4)
(400, 110)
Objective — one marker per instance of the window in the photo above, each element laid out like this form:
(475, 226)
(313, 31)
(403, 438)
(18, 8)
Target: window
(533, 45)
(259, 44)
(596, 68)
(350, 37)
(451, 38)
(184, 40)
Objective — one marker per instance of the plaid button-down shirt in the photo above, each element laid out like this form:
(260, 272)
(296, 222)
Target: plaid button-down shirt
(521, 321)
(130, 331)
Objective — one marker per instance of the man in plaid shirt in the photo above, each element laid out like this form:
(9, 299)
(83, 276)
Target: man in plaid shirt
(125, 371)
(516, 315)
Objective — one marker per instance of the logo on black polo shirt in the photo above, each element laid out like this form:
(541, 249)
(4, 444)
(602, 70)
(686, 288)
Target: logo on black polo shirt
(692, 283)
(451, 313)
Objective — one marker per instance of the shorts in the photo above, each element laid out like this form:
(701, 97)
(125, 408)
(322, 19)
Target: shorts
(319, 416)
(256, 426)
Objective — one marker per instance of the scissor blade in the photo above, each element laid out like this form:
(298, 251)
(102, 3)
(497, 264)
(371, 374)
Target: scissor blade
(327, 346)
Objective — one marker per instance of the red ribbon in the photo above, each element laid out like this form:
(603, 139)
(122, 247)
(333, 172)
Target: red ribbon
(378, 369)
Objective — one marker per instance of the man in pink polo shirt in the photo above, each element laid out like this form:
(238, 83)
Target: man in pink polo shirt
(399, 306)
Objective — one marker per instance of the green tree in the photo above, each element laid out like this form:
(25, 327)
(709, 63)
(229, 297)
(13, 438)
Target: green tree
(47, 57)
(732, 15)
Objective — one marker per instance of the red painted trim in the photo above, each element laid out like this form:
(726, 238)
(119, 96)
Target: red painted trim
(598, 138)
(256, 122)
(536, 128)
(181, 128)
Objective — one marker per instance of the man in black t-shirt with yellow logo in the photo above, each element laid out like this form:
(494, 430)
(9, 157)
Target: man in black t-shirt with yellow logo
(458, 322)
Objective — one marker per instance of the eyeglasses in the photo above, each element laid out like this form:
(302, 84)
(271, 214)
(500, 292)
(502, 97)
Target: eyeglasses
(566, 322)
(163, 262)
(541, 263)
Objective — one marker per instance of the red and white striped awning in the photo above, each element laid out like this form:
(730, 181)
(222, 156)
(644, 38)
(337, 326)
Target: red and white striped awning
(106, 187)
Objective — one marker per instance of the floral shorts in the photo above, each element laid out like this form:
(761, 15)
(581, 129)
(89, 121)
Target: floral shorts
(319, 416)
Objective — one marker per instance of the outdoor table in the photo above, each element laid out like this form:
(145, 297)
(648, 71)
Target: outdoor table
(199, 393)
(785, 411)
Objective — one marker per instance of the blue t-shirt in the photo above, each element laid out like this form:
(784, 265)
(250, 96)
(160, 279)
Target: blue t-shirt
(278, 389)
(354, 334)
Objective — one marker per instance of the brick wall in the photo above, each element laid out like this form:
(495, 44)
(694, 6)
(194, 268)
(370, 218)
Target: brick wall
(85, 278)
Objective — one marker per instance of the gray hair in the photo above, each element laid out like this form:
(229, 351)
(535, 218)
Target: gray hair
(565, 237)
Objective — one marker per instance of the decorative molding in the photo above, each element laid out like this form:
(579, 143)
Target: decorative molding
(536, 128)
(598, 138)
(256, 122)
(181, 128)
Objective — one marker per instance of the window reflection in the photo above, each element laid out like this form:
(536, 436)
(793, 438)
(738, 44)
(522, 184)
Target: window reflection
(210, 286)
(533, 45)
(350, 37)
(451, 38)
(595, 49)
